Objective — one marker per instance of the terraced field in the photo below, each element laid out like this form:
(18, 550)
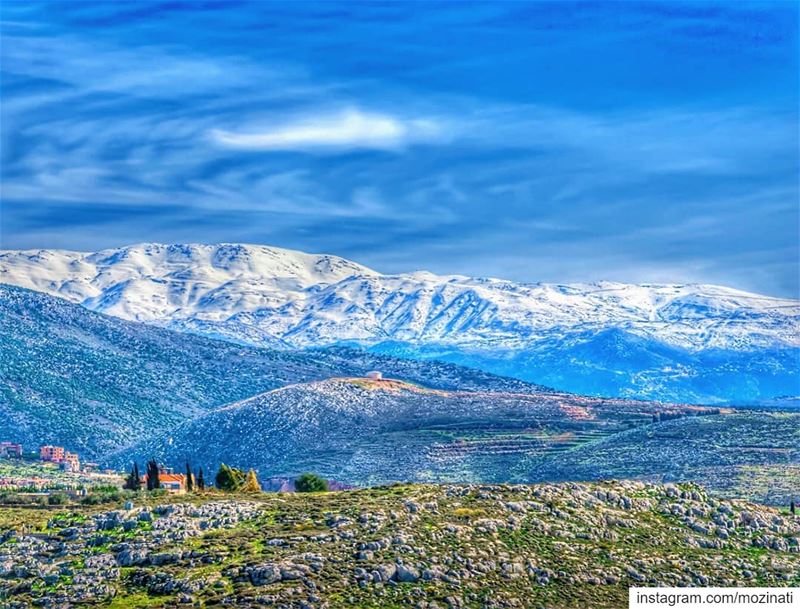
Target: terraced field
(755, 455)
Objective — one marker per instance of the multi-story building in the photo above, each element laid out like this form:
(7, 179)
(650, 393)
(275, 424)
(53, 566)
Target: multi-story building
(51, 453)
(58, 454)
(70, 462)
(10, 449)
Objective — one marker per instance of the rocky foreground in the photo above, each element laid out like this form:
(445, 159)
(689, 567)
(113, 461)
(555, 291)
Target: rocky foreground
(447, 547)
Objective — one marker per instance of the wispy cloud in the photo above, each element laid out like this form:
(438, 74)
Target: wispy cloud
(346, 129)
(541, 142)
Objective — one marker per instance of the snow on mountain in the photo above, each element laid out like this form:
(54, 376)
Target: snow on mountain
(269, 296)
(156, 283)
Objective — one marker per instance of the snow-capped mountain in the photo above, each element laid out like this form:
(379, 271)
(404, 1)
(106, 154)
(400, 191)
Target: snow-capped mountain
(638, 338)
(263, 294)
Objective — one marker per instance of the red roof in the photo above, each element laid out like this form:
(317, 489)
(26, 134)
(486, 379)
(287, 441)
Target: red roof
(172, 478)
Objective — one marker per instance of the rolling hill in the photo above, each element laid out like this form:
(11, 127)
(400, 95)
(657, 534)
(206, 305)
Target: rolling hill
(95, 383)
(361, 431)
(753, 455)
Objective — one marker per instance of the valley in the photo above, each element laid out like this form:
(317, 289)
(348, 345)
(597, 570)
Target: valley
(117, 391)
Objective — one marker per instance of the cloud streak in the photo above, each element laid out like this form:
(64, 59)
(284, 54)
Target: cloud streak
(351, 128)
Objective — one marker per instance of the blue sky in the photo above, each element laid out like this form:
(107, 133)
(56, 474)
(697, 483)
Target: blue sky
(533, 141)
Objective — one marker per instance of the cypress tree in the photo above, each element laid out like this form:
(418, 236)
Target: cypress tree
(201, 483)
(793, 508)
(137, 479)
(132, 482)
(189, 485)
(152, 475)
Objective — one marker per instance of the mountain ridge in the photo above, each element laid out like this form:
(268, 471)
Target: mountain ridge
(235, 282)
(674, 342)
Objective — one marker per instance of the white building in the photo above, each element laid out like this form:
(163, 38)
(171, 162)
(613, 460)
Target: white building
(374, 375)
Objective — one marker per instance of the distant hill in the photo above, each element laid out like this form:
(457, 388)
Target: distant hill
(672, 342)
(96, 383)
(754, 455)
(360, 431)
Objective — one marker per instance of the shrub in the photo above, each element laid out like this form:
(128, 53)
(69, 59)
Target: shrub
(57, 499)
(310, 483)
(98, 498)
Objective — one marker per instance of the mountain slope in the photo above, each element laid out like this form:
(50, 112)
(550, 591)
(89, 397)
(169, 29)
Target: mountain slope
(623, 364)
(676, 342)
(360, 431)
(754, 455)
(94, 383)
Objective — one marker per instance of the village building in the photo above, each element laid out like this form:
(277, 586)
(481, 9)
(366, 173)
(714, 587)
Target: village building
(51, 453)
(172, 483)
(10, 449)
(66, 460)
(375, 375)
(19, 483)
(70, 462)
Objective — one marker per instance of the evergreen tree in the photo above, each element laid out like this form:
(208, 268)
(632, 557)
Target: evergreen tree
(152, 475)
(793, 508)
(229, 478)
(310, 483)
(189, 481)
(251, 484)
(201, 483)
(132, 482)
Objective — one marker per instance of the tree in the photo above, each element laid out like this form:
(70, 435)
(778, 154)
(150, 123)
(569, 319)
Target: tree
(189, 481)
(152, 475)
(133, 482)
(793, 507)
(310, 483)
(201, 482)
(251, 484)
(229, 478)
